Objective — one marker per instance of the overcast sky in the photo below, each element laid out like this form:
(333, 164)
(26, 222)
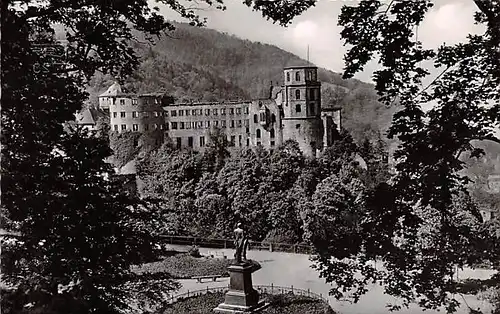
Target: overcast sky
(449, 21)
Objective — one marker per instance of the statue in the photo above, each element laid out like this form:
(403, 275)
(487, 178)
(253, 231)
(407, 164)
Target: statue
(241, 244)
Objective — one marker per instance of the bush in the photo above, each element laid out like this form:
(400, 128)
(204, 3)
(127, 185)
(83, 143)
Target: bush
(279, 304)
(194, 252)
(184, 266)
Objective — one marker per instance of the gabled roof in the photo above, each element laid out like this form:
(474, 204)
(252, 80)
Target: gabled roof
(89, 116)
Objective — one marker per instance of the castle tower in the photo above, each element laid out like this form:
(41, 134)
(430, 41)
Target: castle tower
(301, 101)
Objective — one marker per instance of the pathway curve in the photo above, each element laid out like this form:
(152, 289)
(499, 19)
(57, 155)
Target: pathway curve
(287, 269)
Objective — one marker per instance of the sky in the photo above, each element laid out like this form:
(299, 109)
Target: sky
(449, 21)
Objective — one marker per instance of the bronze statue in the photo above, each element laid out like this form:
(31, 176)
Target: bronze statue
(241, 244)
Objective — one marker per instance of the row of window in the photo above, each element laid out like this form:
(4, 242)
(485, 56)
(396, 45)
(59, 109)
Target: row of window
(156, 101)
(313, 93)
(208, 111)
(135, 127)
(144, 114)
(311, 76)
(207, 124)
(187, 112)
(312, 111)
(231, 140)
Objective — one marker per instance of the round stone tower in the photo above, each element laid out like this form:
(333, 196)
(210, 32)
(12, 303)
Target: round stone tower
(302, 108)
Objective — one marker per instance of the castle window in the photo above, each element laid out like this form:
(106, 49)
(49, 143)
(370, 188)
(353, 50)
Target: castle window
(207, 124)
(271, 133)
(190, 141)
(297, 126)
(135, 127)
(288, 76)
(297, 76)
(238, 124)
(223, 111)
(245, 110)
(207, 112)
(215, 111)
(200, 124)
(262, 117)
(122, 114)
(146, 127)
(240, 143)
(298, 108)
(232, 123)
(161, 127)
(247, 130)
(174, 125)
(193, 112)
(312, 94)
(116, 127)
(246, 122)
(179, 142)
(155, 113)
(233, 140)
(181, 113)
(124, 126)
(181, 126)
(238, 110)
(231, 110)
(297, 94)
(187, 112)
(200, 112)
(311, 109)
(216, 123)
(134, 101)
(166, 126)
(122, 102)
(155, 126)
(273, 118)
(165, 113)
(145, 114)
(188, 125)
(202, 141)
(272, 143)
(135, 114)
(255, 119)
(258, 133)
(223, 124)
(248, 142)
(173, 113)
(115, 114)
(136, 142)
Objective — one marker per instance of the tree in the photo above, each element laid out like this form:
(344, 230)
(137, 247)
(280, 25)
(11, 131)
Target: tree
(467, 105)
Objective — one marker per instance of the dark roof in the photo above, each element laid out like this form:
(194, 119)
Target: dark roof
(89, 116)
(300, 67)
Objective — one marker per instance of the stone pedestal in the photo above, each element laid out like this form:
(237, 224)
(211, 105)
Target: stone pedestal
(241, 297)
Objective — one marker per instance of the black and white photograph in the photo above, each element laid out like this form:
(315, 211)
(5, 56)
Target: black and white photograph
(250, 156)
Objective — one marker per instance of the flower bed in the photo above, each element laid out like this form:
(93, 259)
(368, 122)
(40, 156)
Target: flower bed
(279, 304)
(184, 266)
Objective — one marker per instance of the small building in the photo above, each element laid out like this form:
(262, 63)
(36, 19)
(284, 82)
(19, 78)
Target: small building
(88, 118)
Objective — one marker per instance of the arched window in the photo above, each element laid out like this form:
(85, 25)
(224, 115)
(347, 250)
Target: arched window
(258, 133)
(255, 119)
(297, 76)
(272, 133)
(297, 94)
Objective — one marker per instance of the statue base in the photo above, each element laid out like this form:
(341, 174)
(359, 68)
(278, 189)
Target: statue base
(241, 297)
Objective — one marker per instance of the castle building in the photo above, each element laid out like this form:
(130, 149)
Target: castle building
(292, 111)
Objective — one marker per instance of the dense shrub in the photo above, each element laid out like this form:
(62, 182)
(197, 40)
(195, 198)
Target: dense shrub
(182, 266)
(279, 304)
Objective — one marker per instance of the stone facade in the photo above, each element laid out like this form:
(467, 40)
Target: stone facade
(292, 111)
